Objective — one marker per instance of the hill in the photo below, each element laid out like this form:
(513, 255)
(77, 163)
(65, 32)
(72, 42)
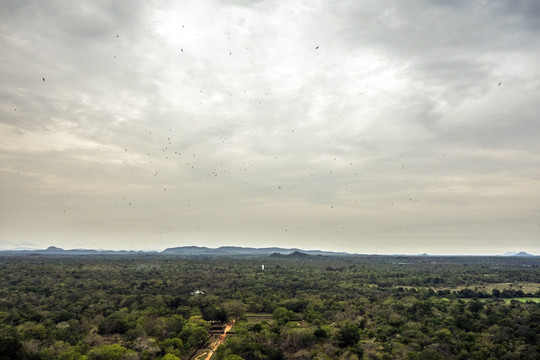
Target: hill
(246, 251)
(293, 255)
(53, 250)
(189, 251)
(521, 253)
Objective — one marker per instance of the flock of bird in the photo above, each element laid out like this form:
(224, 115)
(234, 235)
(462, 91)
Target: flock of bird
(191, 183)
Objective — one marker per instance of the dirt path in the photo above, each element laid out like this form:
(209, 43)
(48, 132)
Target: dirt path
(220, 340)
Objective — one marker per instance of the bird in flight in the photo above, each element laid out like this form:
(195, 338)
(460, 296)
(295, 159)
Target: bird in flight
(316, 48)
(43, 78)
(499, 84)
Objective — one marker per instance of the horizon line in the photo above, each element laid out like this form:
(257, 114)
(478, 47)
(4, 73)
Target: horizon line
(24, 249)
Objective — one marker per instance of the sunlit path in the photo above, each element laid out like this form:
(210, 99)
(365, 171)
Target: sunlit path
(220, 340)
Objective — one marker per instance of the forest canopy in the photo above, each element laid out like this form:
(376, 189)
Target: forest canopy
(313, 307)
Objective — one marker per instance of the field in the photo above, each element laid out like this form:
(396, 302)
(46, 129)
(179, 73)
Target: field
(525, 300)
(527, 287)
(258, 317)
(316, 307)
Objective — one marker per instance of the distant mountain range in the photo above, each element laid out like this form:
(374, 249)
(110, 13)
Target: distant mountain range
(236, 250)
(191, 251)
(183, 251)
(53, 250)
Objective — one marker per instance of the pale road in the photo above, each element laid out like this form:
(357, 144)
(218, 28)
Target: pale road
(221, 339)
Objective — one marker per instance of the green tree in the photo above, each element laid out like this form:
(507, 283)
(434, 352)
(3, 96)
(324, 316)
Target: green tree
(109, 352)
(170, 357)
(235, 308)
(348, 334)
(320, 333)
(10, 345)
(115, 323)
(174, 325)
(195, 332)
(233, 357)
(282, 315)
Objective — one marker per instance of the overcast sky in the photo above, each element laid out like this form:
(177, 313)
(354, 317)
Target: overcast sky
(362, 126)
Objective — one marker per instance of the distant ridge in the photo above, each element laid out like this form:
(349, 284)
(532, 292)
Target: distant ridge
(236, 250)
(190, 251)
(521, 253)
(295, 255)
(57, 250)
(193, 251)
(183, 251)
(53, 250)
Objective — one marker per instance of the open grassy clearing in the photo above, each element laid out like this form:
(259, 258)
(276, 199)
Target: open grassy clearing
(524, 300)
(258, 317)
(526, 287)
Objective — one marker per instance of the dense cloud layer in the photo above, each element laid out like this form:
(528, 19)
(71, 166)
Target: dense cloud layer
(370, 127)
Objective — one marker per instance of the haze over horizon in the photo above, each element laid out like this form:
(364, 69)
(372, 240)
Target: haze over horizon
(242, 250)
(367, 127)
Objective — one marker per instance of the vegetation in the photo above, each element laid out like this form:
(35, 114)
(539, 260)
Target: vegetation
(314, 307)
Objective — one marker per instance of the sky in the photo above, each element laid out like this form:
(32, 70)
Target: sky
(373, 127)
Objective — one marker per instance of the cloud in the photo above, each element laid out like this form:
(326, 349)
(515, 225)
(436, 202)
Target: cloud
(376, 123)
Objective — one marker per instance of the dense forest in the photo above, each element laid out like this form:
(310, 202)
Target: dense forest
(293, 307)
